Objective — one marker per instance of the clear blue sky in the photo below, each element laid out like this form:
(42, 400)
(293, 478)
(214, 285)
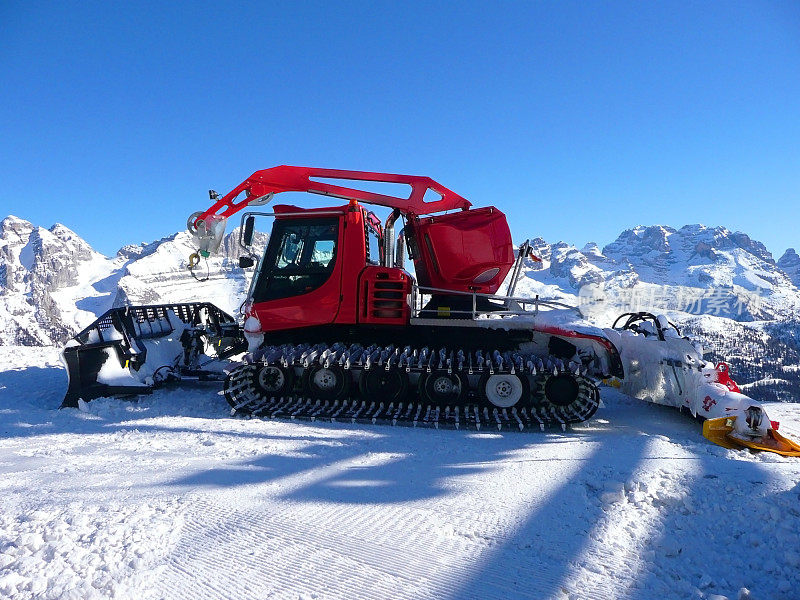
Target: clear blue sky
(577, 119)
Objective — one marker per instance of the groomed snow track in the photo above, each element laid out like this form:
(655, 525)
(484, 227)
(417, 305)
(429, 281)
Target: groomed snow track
(453, 389)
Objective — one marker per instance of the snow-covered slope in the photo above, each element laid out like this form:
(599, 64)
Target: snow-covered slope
(53, 284)
(156, 273)
(169, 497)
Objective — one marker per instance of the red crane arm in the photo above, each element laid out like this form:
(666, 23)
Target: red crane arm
(301, 179)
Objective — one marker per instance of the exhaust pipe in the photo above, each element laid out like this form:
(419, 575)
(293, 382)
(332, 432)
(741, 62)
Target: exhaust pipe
(388, 239)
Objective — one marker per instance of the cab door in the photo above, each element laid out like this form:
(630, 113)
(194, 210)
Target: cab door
(299, 282)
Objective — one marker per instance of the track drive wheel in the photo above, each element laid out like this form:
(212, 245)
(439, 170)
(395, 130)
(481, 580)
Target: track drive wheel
(326, 383)
(504, 390)
(382, 385)
(442, 388)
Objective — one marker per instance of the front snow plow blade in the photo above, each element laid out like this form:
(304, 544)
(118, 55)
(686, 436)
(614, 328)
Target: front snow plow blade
(130, 350)
(722, 431)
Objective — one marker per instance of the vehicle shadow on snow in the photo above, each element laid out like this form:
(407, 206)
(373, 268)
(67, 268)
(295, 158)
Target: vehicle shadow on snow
(533, 560)
(32, 388)
(363, 464)
(538, 556)
(357, 464)
(423, 466)
(400, 463)
(716, 521)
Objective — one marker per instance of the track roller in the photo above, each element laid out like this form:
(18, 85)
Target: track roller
(326, 383)
(388, 385)
(504, 390)
(441, 387)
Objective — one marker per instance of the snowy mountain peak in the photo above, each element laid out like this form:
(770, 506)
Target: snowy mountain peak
(790, 264)
(593, 254)
(694, 239)
(135, 251)
(14, 233)
(18, 233)
(12, 222)
(70, 238)
(591, 248)
(789, 257)
(642, 239)
(36, 266)
(725, 239)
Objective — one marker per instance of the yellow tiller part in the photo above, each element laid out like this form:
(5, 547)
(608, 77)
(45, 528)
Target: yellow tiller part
(720, 431)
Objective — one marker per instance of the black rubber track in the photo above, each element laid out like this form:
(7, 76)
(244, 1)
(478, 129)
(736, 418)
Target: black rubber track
(245, 391)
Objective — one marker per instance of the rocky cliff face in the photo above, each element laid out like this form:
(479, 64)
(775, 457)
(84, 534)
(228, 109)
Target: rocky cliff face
(35, 264)
(790, 264)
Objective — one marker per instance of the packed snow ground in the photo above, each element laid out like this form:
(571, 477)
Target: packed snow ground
(169, 497)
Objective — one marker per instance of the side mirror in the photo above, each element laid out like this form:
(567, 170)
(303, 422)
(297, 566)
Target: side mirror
(245, 262)
(249, 227)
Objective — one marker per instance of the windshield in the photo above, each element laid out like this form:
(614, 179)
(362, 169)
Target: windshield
(300, 257)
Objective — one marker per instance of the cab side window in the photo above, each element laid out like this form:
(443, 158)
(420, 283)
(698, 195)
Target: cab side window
(300, 257)
(373, 246)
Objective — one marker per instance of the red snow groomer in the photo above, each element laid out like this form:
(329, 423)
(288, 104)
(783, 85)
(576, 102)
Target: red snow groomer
(337, 328)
